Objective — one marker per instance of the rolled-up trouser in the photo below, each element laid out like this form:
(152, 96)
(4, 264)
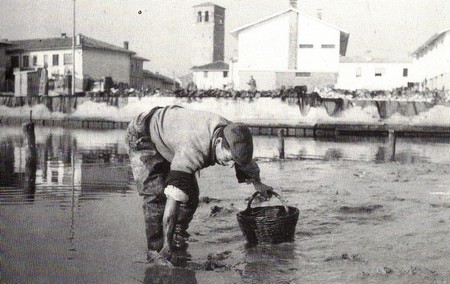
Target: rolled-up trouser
(150, 171)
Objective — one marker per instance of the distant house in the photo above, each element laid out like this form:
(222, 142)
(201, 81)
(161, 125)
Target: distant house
(94, 59)
(287, 49)
(154, 81)
(432, 61)
(374, 74)
(211, 76)
(186, 79)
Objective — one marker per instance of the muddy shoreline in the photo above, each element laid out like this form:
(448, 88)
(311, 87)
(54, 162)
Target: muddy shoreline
(359, 222)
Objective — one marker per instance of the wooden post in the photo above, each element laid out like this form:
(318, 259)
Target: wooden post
(281, 143)
(390, 147)
(30, 159)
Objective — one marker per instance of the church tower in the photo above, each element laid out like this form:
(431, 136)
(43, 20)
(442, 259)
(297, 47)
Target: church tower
(209, 35)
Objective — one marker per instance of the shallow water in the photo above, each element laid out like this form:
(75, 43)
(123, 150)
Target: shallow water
(82, 220)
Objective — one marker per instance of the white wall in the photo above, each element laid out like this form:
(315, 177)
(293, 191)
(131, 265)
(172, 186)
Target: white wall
(214, 80)
(392, 77)
(265, 46)
(53, 70)
(317, 59)
(434, 64)
(100, 63)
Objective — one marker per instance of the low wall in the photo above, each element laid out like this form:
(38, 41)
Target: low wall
(310, 109)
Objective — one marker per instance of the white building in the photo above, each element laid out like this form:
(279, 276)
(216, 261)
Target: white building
(94, 59)
(289, 48)
(373, 74)
(432, 61)
(212, 76)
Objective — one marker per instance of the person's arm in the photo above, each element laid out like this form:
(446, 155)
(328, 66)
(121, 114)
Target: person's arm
(247, 173)
(178, 189)
(169, 221)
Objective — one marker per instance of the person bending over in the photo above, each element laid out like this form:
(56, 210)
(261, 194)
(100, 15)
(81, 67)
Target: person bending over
(166, 147)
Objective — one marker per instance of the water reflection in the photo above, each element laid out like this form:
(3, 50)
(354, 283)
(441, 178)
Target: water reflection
(60, 167)
(96, 161)
(270, 264)
(166, 275)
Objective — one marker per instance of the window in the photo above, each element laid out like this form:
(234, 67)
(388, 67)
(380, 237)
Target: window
(405, 72)
(205, 74)
(26, 61)
(328, 46)
(67, 58)
(206, 16)
(55, 59)
(199, 17)
(302, 74)
(225, 74)
(358, 71)
(15, 61)
(306, 46)
(54, 176)
(34, 60)
(379, 72)
(45, 59)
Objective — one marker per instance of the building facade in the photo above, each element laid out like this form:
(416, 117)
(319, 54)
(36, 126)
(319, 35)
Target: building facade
(212, 76)
(432, 61)
(94, 60)
(287, 49)
(374, 74)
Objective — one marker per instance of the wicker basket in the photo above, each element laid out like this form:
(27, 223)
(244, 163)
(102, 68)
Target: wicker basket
(268, 225)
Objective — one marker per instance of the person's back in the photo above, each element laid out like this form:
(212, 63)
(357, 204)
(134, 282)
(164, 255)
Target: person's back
(186, 133)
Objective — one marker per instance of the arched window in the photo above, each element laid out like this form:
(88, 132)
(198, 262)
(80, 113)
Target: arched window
(206, 16)
(199, 16)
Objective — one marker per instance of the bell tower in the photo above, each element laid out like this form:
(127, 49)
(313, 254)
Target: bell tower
(209, 35)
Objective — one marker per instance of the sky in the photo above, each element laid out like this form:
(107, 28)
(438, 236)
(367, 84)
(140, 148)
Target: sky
(162, 30)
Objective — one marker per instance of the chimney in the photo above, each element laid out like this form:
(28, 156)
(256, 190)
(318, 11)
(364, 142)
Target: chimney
(293, 3)
(79, 39)
(319, 14)
(63, 35)
(126, 45)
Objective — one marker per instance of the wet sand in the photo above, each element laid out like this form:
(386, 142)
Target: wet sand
(359, 222)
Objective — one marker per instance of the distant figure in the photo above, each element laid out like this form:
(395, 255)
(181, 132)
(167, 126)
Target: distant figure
(191, 86)
(43, 83)
(191, 89)
(252, 89)
(68, 79)
(252, 84)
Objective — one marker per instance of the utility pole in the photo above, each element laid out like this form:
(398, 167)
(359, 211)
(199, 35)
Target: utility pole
(73, 51)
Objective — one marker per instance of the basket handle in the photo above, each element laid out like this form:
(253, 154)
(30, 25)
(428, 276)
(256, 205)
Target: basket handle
(274, 193)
